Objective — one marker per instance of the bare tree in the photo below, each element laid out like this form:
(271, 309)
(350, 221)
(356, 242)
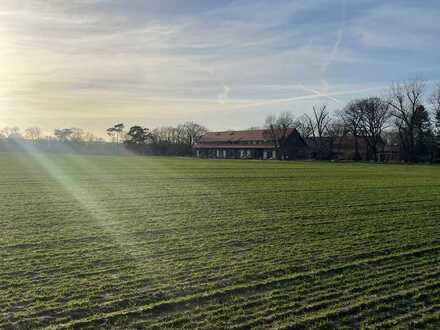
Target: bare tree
(352, 117)
(319, 124)
(375, 115)
(167, 134)
(304, 127)
(190, 132)
(78, 135)
(33, 133)
(335, 134)
(321, 120)
(279, 128)
(11, 132)
(405, 101)
(90, 137)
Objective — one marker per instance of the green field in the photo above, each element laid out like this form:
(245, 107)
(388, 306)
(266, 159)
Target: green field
(138, 242)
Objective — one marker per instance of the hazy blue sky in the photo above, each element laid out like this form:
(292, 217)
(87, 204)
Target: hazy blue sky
(225, 64)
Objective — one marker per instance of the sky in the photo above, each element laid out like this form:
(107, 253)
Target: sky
(222, 63)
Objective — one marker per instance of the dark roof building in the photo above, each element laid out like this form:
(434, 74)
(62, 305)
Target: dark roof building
(250, 144)
(259, 144)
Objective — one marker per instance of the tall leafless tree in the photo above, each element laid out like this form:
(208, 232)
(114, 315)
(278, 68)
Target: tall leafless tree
(90, 137)
(304, 127)
(375, 115)
(321, 120)
(33, 134)
(11, 132)
(78, 135)
(319, 123)
(335, 135)
(190, 132)
(352, 116)
(405, 101)
(167, 134)
(279, 128)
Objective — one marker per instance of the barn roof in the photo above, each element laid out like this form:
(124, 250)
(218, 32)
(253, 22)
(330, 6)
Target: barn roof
(237, 136)
(233, 146)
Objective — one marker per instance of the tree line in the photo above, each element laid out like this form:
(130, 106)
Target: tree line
(166, 140)
(36, 135)
(406, 118)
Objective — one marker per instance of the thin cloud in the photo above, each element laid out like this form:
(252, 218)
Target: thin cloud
(72, 57)
(318, 93)
(308, 97)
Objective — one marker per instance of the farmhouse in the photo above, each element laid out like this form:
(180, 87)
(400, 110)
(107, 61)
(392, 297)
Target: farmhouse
(249, 144)
(259, 144)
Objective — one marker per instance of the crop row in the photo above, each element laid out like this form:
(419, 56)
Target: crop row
(163, 243)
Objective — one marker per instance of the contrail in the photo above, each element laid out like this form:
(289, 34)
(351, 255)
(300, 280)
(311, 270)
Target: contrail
(319, 93)
(307, 97)
(338, 41)
(333, 53)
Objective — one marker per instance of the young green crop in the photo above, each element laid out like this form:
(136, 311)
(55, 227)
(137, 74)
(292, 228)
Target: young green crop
(150, 242)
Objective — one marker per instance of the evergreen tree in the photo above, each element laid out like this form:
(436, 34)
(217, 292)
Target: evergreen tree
(424, 136)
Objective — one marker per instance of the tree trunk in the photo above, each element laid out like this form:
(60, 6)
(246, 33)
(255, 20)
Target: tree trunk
(411, 148)
(374, 150)
(357, 156)
(280, 153)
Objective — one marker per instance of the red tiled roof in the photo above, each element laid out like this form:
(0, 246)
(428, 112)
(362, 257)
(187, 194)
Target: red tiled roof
(232, 146)
(237, 136)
